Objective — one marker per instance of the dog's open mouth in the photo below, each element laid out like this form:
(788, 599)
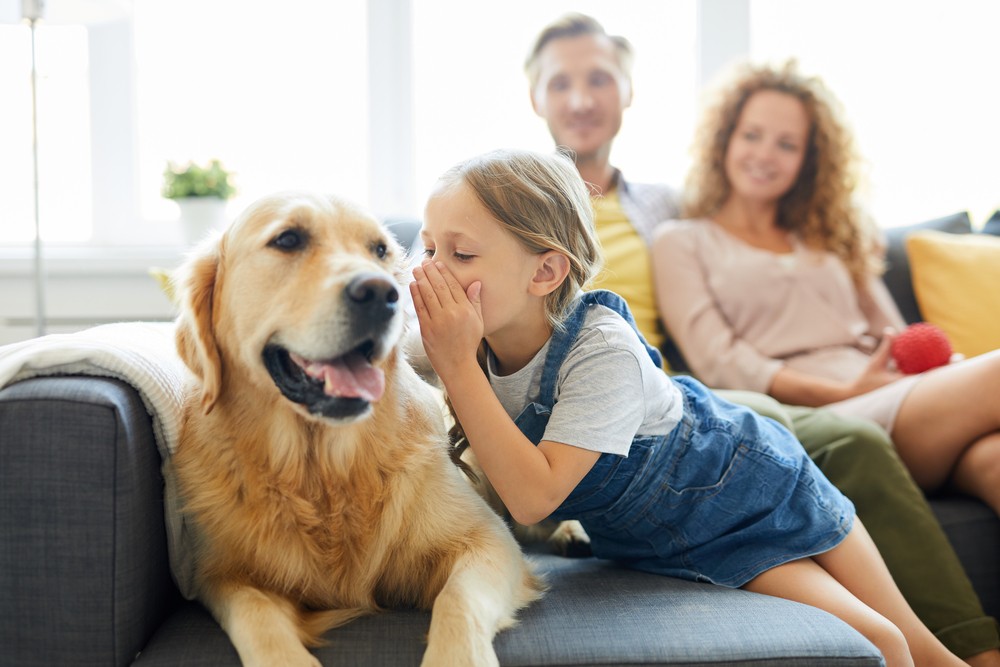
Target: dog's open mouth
(337, 388)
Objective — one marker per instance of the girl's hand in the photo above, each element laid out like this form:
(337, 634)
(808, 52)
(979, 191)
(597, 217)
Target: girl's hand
(451, 319)
(878, 372)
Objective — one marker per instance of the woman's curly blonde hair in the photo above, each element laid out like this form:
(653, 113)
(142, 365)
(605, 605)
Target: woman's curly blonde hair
(819, 206)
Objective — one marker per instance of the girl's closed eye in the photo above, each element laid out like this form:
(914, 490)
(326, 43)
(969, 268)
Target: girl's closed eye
(460, 256)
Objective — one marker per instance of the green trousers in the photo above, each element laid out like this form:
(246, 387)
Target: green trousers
(860, 460)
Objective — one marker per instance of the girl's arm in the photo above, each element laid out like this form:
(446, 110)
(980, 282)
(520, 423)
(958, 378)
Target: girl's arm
(531, 481)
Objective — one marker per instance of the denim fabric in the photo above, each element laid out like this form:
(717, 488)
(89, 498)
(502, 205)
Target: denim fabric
(725, 496)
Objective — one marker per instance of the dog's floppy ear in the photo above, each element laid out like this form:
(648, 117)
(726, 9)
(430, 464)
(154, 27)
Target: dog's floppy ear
(196, 342)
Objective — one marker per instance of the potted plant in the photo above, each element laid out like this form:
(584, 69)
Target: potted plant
(201, 192)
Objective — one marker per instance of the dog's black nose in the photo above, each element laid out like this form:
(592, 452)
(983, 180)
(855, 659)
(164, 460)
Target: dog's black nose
(373, 293)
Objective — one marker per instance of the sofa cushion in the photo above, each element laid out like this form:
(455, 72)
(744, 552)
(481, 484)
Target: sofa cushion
(897, 274)
(956, 279)
(595, 613)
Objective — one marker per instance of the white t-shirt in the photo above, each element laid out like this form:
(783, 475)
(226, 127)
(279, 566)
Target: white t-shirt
(608, 390)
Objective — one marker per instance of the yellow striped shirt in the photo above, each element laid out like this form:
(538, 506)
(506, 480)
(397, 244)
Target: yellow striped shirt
(627, 267)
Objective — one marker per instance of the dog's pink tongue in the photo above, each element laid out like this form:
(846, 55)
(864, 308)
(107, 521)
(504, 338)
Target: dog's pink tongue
(350, 376)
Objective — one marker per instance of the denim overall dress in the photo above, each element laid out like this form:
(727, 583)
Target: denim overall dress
(724, 496)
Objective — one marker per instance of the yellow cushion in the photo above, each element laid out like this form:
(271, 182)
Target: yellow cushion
(956, 279)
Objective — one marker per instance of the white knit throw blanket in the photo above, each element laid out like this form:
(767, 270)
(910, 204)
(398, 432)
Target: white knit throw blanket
(143, 354)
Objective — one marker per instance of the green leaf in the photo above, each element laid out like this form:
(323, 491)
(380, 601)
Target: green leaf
(194, 180)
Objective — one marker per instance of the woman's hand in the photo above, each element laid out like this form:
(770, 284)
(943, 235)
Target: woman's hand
(878, 372)
(451, 318)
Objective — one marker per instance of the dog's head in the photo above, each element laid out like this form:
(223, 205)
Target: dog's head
(300, 296)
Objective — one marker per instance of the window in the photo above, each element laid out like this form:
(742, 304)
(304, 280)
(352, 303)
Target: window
(276, 91)
(374, 99)
(63, 138)
(918, 81)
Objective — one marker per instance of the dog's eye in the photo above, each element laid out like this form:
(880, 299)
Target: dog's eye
(290, 239)
(380, 249)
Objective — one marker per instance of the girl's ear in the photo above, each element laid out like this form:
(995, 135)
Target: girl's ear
(553, 267)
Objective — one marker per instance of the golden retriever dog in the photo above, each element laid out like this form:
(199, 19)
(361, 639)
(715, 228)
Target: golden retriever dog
(313, 462)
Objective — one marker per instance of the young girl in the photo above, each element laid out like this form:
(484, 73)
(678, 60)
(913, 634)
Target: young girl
(569, 415)
(782, 289)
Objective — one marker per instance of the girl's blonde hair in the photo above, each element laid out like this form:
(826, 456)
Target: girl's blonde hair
(541, 199)
(819, 206)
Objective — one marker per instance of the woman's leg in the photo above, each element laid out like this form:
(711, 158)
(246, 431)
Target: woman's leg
(851, 582)
(762, 404)
(948, 427)
(859, 459)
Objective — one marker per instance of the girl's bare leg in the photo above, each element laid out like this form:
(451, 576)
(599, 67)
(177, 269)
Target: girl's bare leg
(852, 582)
(949, 427)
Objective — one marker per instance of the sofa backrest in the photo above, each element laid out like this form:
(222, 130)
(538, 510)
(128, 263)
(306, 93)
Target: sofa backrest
(897, 275)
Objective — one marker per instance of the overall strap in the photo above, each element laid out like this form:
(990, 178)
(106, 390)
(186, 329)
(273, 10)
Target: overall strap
(562, 339)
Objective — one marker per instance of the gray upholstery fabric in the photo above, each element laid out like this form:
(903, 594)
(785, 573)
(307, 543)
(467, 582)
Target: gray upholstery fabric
(897, 276)
(83, 572)
(992, 225)
(406, 231)
(595, 613)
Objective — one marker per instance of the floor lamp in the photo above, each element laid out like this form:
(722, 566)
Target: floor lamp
(62, 11)
(31, 11)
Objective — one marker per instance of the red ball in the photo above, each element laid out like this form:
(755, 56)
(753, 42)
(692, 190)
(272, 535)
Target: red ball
(920, 347)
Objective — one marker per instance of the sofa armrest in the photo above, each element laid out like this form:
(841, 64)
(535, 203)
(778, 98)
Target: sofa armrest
(84, 575)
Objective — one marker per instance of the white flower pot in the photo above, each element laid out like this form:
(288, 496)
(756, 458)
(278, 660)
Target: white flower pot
(200, 215)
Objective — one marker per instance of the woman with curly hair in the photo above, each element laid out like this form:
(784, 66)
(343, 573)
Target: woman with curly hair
(781, 283)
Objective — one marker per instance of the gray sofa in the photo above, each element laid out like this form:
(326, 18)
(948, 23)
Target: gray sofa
(85, 580)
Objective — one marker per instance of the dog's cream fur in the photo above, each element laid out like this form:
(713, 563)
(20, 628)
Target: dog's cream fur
(304, 521)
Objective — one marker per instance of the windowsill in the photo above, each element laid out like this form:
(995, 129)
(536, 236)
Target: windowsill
(90, 260)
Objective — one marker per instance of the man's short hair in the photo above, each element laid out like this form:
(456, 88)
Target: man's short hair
(573, 25)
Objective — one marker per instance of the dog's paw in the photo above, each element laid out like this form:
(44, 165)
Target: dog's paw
(454, 656)
(571, 540)
(563, 538)
(292, 659)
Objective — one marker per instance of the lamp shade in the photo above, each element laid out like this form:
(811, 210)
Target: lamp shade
(64, 12)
